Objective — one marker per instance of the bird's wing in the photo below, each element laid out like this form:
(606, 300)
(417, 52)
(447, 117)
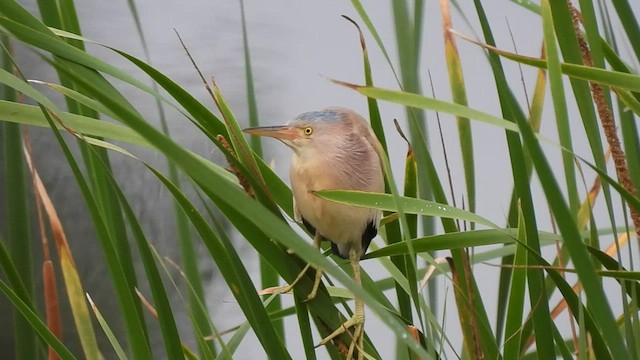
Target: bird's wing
(377, 218)
(299, 219)
(296, 213)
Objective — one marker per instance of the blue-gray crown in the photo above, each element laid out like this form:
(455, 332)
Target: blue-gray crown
(328, 115)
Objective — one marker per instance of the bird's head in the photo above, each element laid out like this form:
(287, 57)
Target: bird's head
(311, 131)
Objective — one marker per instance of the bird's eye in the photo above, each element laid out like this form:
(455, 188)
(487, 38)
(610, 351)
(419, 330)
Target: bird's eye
(308, 131)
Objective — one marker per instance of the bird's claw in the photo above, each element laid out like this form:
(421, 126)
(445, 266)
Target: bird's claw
(357, 339)
(276, 290)
(316, 285)
(285, 289)
(309, 297)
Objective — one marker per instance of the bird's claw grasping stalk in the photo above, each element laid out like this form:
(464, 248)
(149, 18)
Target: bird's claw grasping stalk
(288, 288)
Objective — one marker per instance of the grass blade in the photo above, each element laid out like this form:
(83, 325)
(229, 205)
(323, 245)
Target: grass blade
(168, 326)
(459, 94)
(457, 240)
(579, 255)
(629, 23)
(17, 221)
(231, 267)
(36, 324)
(107, 330)
(522, 195)
(410, 205)
(515, 308)
(73, 286)
(560, 110)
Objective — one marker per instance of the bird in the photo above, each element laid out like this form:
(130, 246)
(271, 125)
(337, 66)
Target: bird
(333, 149)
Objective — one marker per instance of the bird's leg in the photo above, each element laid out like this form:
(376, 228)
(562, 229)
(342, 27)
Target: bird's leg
(357, 320)
(318, 278)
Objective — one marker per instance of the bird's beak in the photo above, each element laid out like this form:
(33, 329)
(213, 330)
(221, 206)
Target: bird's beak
(279, 132)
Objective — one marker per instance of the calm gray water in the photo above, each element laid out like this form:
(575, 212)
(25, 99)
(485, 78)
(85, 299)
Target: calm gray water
(294, 46)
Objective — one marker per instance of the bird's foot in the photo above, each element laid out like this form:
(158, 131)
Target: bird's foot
(316, 285)
(285, 288)
(276, 290)
(357, 339)
(288, 288)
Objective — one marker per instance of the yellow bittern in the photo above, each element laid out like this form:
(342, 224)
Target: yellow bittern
(333, 149)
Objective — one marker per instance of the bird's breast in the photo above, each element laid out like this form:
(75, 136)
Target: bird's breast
(342, 224)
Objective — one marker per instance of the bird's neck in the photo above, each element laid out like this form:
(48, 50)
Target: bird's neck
(313, 156)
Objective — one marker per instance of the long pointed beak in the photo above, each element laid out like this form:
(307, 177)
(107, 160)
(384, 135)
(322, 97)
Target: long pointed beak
(283, 132)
